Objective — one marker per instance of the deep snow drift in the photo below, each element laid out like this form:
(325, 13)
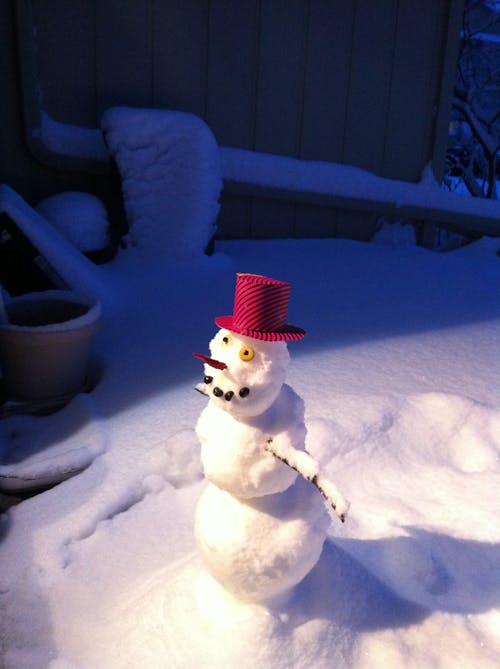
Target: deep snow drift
(399, 373)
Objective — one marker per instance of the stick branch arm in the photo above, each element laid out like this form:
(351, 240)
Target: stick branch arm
(305, 465)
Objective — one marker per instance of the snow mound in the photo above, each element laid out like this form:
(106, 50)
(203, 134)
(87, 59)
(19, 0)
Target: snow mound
(182, 464)
(171, 178)
(80, 217)
(41, 450)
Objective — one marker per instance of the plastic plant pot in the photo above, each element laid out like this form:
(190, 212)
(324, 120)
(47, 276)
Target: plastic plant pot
(45, 347)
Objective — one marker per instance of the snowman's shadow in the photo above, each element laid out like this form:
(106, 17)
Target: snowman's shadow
(341, 590)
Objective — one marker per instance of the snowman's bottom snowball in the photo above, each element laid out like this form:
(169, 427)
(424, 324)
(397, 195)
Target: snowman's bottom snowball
(260, 548)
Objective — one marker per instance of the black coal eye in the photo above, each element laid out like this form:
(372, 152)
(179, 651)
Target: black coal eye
(208, 379)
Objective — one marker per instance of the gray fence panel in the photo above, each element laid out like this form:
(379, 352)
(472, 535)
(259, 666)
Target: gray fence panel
(233, 53)
(123, 44)
(66, 59)
(327, 70)
(370, 83)
(414, 88)
(180, 54)
(278, 120)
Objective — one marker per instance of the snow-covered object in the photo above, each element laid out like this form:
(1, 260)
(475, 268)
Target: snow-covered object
(350, 183)
(80, 217)
(171, 178)
(259, 528)
(71, 140)
(67, 264)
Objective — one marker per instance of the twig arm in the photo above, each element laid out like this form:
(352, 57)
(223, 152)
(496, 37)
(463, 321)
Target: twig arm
(308, 468)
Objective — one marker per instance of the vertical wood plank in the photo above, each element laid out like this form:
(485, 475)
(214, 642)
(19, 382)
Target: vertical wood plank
(180, 32)
(370, 81)
(374, 33)
(272, 219)
(357, 225)
(328, 53)
(314, 221)
(283, 33)
(234, 220)
(65, 40)
(281, 76)
(414, 91)
(329, 42)
(232, 71)
(233, 47)
(123, 54)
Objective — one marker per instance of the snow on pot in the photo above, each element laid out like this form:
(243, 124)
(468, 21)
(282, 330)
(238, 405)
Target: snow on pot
(45, 345)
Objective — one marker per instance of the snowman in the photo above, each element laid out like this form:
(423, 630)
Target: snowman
(260, 523)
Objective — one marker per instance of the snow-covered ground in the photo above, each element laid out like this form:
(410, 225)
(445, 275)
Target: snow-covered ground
(400, 376)
(399, 373)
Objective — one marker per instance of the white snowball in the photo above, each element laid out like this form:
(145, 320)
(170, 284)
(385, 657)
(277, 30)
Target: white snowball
(260, 548)
(262, 374)
(233, 452)
(80, 217)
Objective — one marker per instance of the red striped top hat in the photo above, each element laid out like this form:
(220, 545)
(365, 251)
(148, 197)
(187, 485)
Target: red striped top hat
(260, 310)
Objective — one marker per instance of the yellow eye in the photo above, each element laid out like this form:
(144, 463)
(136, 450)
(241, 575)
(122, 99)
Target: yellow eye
(226, 340)
(246, 353)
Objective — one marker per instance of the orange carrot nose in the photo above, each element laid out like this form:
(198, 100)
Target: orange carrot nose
(211, 361)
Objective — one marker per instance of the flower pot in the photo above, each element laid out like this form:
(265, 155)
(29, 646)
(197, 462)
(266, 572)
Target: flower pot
(45, 347)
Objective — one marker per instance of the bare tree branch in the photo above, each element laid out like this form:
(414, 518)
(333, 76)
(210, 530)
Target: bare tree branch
(477, 127)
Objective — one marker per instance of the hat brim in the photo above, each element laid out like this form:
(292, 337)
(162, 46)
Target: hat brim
(286, 333)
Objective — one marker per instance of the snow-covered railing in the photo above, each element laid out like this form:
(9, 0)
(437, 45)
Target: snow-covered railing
(346, 187)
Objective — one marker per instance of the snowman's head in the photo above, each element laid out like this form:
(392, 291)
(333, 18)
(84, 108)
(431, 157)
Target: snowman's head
(244, 375)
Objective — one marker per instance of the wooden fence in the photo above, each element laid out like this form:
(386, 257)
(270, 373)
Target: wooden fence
(360, 82)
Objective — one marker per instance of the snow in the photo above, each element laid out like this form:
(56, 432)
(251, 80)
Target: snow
(170, 170)
(399, 377)
(71, 140)
(399, 374)
(79, 217)
(259, 548)
(485, 37)
(348, 182)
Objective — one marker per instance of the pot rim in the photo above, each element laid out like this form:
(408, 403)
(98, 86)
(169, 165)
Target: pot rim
(90, 318)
